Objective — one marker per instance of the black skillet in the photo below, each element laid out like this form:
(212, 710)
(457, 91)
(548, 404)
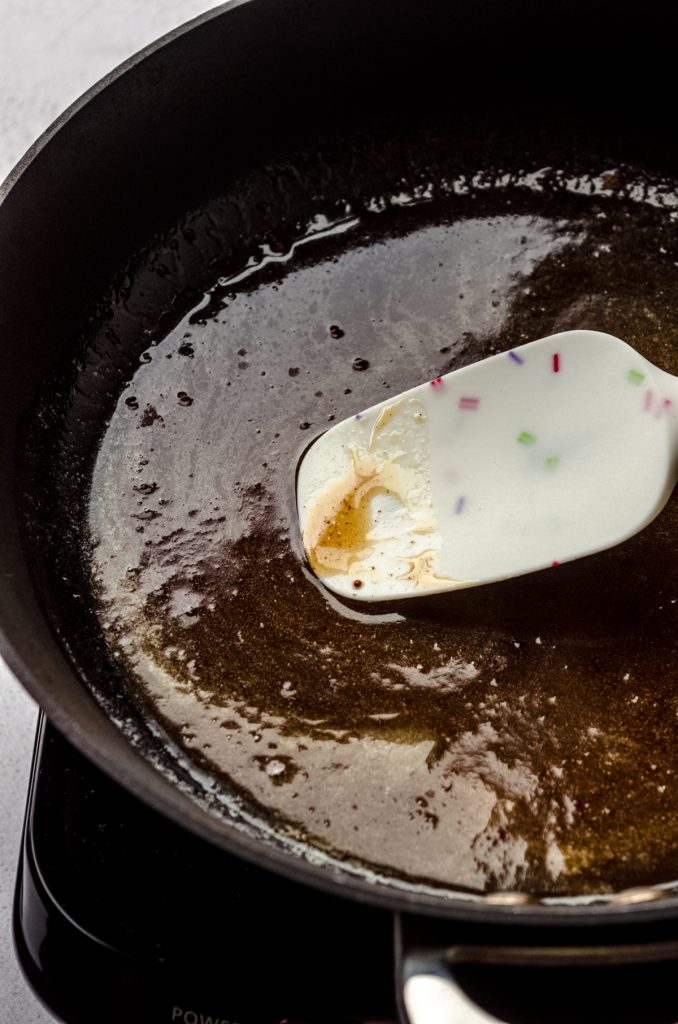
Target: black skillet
(246, 83)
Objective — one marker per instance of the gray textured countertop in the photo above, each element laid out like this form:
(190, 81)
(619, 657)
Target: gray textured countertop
(50, 52)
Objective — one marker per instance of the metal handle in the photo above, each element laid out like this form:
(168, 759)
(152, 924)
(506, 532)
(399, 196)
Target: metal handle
(432, 995)
(434, 999)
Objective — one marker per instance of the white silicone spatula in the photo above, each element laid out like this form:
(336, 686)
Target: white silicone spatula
(531, 458)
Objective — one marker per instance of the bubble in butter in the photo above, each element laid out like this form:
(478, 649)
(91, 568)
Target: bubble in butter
(373, 523)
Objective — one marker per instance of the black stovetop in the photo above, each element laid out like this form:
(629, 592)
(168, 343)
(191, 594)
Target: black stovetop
(122, 916)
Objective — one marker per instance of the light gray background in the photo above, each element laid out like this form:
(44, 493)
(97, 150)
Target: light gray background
(50, 52)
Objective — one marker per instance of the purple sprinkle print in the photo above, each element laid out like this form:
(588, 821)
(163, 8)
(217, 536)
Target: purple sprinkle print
(516, 358)
(358, 416)
(468, 403)
(460, 505)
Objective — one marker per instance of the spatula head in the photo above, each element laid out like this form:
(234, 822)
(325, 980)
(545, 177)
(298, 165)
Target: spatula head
(531, 458)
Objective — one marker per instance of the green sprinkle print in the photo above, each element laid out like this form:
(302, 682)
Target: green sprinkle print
(526, 437)
(635, 376)
(552, 460)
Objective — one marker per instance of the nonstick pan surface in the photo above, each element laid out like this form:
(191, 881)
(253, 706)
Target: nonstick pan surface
(252, 86)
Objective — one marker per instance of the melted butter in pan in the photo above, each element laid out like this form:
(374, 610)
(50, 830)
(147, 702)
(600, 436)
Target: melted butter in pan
(517, 736)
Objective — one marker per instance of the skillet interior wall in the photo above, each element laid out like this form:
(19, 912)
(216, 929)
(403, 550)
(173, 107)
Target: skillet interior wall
(46, 328)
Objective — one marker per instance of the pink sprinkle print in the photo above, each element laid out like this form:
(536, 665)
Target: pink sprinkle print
(554, 564)
(556, 362)
(437, 382)
(468, 403)
(647, 404)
